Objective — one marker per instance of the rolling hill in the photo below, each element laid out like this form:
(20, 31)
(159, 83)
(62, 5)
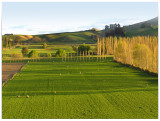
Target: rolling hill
(144, 28)
(149, 27)
(79, 37)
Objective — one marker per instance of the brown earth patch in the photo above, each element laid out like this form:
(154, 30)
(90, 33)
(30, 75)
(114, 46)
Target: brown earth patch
(9, 69)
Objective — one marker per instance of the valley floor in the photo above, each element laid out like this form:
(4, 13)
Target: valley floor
(85, 90)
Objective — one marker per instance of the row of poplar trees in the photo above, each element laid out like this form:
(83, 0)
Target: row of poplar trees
(7, 42)
(138, 51)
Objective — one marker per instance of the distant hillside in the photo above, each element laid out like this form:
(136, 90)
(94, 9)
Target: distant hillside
(145, 28)
(79, 37)
(143, 32)
(88, 36)
(152, 22)
(149, 27)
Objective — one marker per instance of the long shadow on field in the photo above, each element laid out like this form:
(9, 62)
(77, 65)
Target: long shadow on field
(94, 85)
(137, 72)
(80, 92)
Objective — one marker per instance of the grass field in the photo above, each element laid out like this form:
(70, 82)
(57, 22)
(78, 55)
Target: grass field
(39, 48)
(83, 90)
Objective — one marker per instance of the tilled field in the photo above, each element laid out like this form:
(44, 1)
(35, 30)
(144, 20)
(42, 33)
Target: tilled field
(9, 69)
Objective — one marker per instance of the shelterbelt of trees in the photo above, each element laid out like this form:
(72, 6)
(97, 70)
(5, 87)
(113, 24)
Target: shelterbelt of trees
(139, 51)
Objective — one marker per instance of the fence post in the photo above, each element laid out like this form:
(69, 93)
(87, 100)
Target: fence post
(80, 56)
(71, 56)
(89, 56)
(65, 57)
(83, 56)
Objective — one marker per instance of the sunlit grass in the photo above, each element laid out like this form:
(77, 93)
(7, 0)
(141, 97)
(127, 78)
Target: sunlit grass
(83, 90)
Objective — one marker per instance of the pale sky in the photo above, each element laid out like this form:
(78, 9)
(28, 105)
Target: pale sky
(53, 17)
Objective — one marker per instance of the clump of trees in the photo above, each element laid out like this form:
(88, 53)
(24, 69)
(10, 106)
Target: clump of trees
(25, 50)
(84, 48)
(60, 53)
(33, 54)
(139, 51)
(7, 42)
(10, 41)
(94, 29)
(119, 31)
(49, 55)
(75, 48)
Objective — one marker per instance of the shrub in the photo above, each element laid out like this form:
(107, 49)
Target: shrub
(25, 50)
(60, 53)
(49, 55)
(75, 48)
(83, 48)
(33, 54)
(44, 45)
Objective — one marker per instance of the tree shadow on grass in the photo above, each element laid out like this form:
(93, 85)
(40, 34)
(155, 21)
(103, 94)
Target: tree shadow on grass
(49, 93)
(139, 72)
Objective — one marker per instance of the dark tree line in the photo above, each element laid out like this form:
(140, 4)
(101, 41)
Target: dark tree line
(119, 31)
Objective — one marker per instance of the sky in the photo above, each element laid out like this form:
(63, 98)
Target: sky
(53, 17)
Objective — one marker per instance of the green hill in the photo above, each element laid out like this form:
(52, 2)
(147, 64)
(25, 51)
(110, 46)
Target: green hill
(88, 36)
(79, 37)
(149, 27)
(143, 32)
(145, 28)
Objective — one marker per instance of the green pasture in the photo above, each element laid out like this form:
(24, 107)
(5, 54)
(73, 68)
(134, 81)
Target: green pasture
(39, 48)
(106, 90)
(74, 58)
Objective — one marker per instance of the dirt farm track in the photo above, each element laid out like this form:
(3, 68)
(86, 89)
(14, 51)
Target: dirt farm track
(9, 69)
